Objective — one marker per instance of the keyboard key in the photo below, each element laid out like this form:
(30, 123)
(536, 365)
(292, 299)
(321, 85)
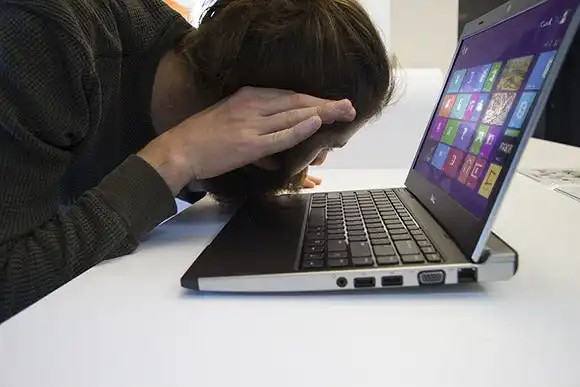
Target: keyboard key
(355, 227)
(313, 256)
(337, 255)
(383, 250)
(357, 238)
(433, 258)
(315, 242)
(343, 262)
(336, 245)
(316, 217)
(356, 232)
(335, 227)
(401, 237)
(398, 231)
(335, 217)
(395, 226)
(337, 231)
(364, 261)
(316, 235)
(374, 225)
(390, 217)
(312, 264)
(388, 260)
(373, 230)
(428, 250)
(406, 247)
(360, 249)
(380, 241)
(416, 232)
(313, 249)
(335, 236)
(407, 219)
(420, 237)
(351, 219)
(372, 219)
(378, 235)
(413, 227)
(424, 244)
(416, 258)
(393, 221)
(333, 195)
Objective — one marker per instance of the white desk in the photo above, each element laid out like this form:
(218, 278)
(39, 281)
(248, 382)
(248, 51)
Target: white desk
(128, 322)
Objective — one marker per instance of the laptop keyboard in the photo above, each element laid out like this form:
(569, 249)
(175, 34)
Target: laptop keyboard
(363, 229)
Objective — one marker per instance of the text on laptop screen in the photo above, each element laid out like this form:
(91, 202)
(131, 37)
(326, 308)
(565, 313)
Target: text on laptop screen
(493, 85)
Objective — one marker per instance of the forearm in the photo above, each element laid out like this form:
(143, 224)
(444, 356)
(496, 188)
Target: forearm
(105, 222)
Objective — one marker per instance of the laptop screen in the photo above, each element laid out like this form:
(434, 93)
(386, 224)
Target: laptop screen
(487, 100)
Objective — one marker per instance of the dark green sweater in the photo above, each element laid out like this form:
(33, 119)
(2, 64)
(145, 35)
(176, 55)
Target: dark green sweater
(75, 89)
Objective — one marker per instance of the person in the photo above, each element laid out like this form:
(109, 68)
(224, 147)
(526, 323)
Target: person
(110, 109)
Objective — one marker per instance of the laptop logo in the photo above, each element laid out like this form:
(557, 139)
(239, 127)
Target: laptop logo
(432, 198)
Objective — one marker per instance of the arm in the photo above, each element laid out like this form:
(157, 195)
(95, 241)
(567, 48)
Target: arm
(44, 113)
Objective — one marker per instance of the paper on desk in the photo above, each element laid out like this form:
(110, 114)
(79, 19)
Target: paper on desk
(564, 181)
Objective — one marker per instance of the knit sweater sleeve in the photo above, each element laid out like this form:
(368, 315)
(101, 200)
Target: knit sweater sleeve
(44, 116)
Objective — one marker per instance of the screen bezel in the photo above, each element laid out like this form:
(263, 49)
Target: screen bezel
(470, 233)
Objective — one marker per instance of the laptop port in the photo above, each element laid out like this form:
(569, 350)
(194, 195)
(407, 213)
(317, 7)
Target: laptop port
(431, 277)
(341, 282)
(392, 280)
(364, 282)
(467, 274)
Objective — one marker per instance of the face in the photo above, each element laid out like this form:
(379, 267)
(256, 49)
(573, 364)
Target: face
(283, 172)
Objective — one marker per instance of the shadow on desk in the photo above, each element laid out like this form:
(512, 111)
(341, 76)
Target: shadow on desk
(202, 220)
(460, 291)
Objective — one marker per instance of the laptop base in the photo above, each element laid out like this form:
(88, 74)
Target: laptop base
(501, 263)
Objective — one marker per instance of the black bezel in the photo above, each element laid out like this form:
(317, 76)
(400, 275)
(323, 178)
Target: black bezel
(465, 229)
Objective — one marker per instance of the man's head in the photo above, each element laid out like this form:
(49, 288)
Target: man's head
(325, 48)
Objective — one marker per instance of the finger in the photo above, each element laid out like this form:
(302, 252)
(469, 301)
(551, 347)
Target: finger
(285, 139)
(307, 183)
(314, 179)
(293, 101)
(328, 113)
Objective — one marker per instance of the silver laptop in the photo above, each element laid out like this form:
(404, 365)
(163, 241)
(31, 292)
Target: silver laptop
(436, 230)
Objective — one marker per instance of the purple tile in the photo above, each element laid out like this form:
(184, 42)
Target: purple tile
(464, 135)
(437, 128)
(491, 139)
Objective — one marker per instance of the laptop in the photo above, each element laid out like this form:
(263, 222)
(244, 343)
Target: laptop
(436, 229)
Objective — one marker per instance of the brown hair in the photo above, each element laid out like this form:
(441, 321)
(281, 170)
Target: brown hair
(326, 48)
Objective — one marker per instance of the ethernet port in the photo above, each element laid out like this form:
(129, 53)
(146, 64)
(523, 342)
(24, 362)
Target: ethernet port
(467, 275)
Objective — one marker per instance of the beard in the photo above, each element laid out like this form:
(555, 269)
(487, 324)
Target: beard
(252, 183)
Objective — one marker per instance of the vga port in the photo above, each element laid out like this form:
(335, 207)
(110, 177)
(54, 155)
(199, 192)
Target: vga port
(431, 277)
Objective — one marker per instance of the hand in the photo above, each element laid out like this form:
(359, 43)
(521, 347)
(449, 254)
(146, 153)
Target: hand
(251, 124)
(311, 182)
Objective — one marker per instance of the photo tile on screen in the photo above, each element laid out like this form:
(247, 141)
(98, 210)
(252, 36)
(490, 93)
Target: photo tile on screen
(450, 131)
(491, 77)
(475, 174)
(437, 128)
(498, 108)
(540, 70)
(447, 105)
(521, 110)
(460, 106)
(466, 169)
(506, 147)
(479, 106)
(456, 81)
(489, 180)
(464, 135)
(440, 156)
(513, 73)
(453, 162)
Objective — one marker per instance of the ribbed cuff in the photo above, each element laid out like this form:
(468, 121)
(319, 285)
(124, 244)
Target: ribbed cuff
(138, 194)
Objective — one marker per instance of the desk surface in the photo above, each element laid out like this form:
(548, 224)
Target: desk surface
(127, 322)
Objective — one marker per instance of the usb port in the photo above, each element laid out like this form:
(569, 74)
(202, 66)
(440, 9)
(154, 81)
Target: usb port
(392, 280)
(366, 282)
